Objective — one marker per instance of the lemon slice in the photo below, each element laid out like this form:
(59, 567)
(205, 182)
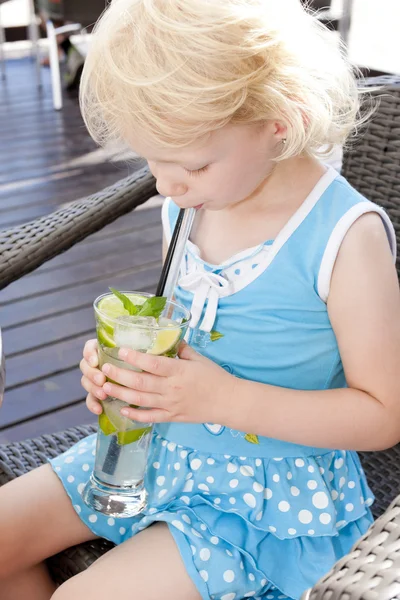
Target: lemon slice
(166, 339)
(105, 338)
(105, 424)
(112, 307)
(133, 435)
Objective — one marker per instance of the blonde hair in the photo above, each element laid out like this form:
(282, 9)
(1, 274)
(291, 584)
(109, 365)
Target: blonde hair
(177, 70)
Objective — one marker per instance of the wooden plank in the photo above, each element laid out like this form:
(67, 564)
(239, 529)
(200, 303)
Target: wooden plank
(103, 246)
(57, 179)
(27, 337)
(52, 141)
(52, 152)
(50, 423)
(54, 121)
(19, 217)
(51, 393)
(53, 163)
(142, 278)
(92, 270)
(57, 189)
(43, 362)
(51, 135)
(81, 179)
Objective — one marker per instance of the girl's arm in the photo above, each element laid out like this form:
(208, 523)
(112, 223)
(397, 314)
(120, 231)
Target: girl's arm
(364, 309)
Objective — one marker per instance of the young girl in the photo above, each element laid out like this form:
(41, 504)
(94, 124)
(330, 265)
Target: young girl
(255, 487)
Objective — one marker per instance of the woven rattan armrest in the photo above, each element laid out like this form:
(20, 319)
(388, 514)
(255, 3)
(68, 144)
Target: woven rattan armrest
(26, 247)
(371, 571)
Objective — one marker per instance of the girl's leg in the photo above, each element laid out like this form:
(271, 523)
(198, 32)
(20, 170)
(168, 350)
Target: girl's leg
(146, 567)
(37, 520)
(34, 583)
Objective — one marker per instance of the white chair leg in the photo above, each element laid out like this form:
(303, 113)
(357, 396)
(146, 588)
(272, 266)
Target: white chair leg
(345, 20)
(54, 66)
(34, 36)
(2, 55)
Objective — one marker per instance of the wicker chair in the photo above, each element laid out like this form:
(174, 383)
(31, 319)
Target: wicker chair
(372, 570)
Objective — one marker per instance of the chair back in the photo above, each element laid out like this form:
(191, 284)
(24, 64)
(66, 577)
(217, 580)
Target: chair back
(318, 4)
(2, 371)
(85, 12)
(372, 166)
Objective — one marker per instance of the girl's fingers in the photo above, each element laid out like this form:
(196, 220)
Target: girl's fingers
(129, 396)
(94, 375)
(93, 405)
(97, 392)
(154, 415)
(90, 353)
(161, 366)
(142, 382)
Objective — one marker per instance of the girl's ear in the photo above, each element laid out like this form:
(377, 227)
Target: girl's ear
(279, 130)
(273, 131)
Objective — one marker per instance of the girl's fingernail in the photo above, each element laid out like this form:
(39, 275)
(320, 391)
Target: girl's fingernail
(93, 361)
(107, 387)
(106, 368)
(98, 410)
(123, 353)
(125, 412)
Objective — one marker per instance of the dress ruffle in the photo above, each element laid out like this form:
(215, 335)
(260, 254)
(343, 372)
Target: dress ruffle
(245, 526)
(288, 497)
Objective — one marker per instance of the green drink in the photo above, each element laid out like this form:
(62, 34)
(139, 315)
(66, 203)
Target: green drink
(147, 324)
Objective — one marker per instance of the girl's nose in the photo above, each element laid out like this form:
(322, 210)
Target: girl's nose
(166, 188)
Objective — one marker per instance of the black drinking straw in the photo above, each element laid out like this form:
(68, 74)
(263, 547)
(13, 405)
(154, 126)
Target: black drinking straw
(170, 254)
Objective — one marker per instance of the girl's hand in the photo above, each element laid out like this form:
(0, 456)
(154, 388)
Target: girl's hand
(192, 390)
(92, 378)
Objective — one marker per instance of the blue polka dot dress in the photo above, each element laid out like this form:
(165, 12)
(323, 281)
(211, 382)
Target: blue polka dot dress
(252, 516)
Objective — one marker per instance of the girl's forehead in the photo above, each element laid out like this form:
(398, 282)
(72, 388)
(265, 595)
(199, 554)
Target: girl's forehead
(215, 143)
(153, 152)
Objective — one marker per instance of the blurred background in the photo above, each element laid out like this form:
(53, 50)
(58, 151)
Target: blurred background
(48, 161)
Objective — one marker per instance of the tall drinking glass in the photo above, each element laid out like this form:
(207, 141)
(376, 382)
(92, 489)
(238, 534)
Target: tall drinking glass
(116, 486)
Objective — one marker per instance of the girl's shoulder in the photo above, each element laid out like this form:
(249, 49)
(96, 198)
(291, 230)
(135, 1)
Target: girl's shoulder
(338, 210)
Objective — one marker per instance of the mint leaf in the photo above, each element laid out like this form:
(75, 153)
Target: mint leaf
(128, 304)
(216, 335)
(153, 307)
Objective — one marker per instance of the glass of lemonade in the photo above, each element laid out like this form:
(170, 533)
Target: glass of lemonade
(147, 324)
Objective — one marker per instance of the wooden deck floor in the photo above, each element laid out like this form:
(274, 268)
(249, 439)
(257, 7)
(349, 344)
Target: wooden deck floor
(48, 160)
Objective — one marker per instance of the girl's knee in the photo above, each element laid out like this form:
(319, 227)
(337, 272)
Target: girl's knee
(70, 590)
(79, 587)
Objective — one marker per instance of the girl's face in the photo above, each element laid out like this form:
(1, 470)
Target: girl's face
(224, 170)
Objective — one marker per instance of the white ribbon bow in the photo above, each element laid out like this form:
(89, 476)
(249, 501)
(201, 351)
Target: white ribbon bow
(205, 286)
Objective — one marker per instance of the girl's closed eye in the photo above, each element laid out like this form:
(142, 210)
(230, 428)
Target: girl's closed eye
(195, 172)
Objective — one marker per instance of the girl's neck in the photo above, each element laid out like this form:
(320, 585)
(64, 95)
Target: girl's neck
(221, 234)
(288, 185)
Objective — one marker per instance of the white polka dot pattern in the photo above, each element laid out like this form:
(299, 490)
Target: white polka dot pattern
(206, 500)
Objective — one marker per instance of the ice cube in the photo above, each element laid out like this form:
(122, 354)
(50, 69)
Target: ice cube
(165, 322)
(112, 408)
(137, 333)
